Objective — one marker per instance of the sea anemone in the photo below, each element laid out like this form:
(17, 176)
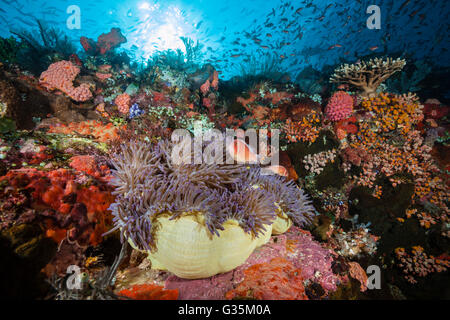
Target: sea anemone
(135, 214)
(148, 183)
(134, 165)
(253, 208)
(288, 197)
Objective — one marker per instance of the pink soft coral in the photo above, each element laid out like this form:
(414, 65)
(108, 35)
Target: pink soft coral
(60, 75)
(340, 106)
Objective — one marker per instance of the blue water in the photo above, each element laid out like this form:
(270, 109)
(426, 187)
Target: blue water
(295, 33)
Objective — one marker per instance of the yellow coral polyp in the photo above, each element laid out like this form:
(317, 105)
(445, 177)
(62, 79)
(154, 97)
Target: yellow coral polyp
(391, 113)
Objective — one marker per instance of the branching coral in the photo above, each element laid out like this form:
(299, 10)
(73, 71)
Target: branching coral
(366, 76)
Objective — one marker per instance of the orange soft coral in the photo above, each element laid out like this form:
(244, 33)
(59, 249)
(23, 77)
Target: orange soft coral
(102, 132)
(392, 112)
(59, 191)
(123, 102)
(87, 164)
(276, 280)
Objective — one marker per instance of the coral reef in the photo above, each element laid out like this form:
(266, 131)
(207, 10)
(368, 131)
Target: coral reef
(89, 162)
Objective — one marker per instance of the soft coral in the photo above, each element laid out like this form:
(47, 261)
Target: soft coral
(276, 280)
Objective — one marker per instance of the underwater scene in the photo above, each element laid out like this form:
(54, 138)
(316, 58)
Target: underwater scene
(224, 150)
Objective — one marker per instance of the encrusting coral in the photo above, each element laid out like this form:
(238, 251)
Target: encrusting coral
(366, 76)
(149, 292)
